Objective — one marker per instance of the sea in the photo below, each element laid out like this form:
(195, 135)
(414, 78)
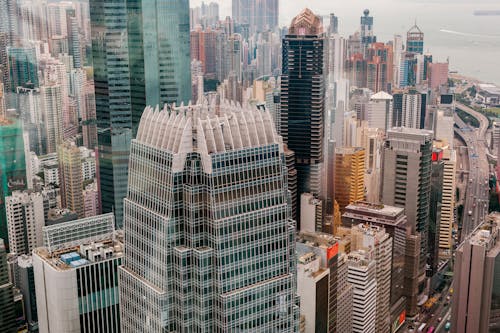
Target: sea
(453, 33)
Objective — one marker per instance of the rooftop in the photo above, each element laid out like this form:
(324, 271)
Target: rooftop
(381, 95)
(82, 255)
(306, 23)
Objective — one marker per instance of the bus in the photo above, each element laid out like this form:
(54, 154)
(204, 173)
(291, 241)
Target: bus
(421, 327)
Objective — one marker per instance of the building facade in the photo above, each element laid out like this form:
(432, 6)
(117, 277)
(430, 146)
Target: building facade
(303, 98)
(76, 276)
(211, 186)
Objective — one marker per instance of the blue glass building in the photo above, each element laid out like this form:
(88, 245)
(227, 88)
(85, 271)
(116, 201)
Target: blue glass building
(140, 52)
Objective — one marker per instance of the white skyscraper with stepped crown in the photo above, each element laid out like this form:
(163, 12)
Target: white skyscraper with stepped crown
(209, 243)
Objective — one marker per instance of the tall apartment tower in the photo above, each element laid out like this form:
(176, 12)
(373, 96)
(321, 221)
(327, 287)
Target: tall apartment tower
(25, 220)
(362, 275)
(52, 105)
(207, 187)
(447, 212)
(125, 84)
(475, 306)
(7, 305)
(349, 175)
(407, 182)
(377, 242)
(415, 40)
(76, 276)
(303, 98)
(71, 178)
(74, 47)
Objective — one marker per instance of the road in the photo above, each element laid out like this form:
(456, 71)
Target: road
(476, 202)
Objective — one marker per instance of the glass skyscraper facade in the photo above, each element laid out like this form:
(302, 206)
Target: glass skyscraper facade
(12, 165)
(140, 54)
(209, 239)
(303, 98)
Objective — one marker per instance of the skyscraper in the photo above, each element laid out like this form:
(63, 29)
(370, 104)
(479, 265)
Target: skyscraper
(23, 67)
(415, 40)
(394, 221)
(71, 178)
(202, 189)
(475, 303)
(52, 104)
(303, 98)
(349, 175)
(407, 183)
(25, 219)
(367, 36)
(136, 63)
(361, 273)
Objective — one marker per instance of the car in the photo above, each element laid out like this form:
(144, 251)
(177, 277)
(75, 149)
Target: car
(439, 319)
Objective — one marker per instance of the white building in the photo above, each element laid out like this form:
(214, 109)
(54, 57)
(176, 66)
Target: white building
(25, 219)
(76, 277)
(411, 112)
(379, 111)
(311, 217)
(378, 245)
(52, 104)
(361, 274)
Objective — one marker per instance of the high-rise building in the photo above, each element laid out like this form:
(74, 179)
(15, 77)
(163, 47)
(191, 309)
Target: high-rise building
(437, 74)
(436, 204)
(52, 105)
(7, 305)
(12, 165)
(303, 98)
(447, 213)
(207, 270)
(377, 242)
(362, 275)
(475, 306)
(125, 84)
(409, 108)
(71, 178)
(74, 47)
(407, 183)
(415, 40)
(349, 175)
(394, 222)
(379, 67)
(25, 219)
(367, 36)
(23, 67)
(344, 295)
(379, 111)
(9, 23)
(317, 281)
(76, 276)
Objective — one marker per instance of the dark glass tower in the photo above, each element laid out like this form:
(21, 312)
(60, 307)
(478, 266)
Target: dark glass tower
(140, 51)
(302, 98)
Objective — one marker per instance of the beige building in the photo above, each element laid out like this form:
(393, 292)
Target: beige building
(70, 176)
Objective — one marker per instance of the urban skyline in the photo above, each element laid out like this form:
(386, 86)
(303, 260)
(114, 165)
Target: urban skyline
(167, 167)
